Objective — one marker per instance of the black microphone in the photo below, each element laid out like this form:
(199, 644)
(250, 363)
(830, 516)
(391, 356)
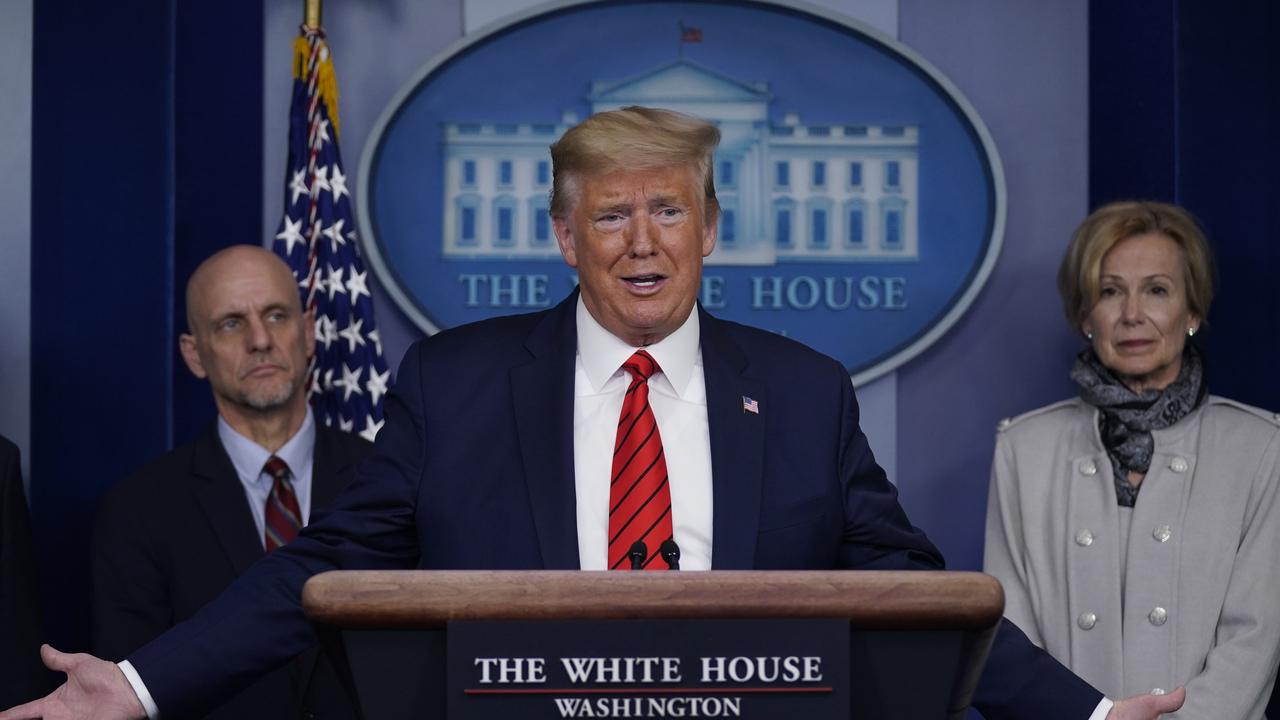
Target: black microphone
(671, 553)
(638, 554)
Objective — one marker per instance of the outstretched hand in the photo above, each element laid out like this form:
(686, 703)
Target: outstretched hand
(1138, 707)
(94, 689)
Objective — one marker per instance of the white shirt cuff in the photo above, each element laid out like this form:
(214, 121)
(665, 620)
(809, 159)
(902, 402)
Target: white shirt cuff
(1099, 713)
(144, 697)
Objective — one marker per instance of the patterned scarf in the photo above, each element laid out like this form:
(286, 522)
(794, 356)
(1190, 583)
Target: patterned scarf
(1126, 418)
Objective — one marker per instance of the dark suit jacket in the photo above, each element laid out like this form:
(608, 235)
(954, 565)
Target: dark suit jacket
(23, 676)
(173, 536)
(474, 469)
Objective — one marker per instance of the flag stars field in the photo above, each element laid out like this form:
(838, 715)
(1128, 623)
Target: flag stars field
(377, 385)
(351, 334)
(356, 287)
(334, 233)
(291, 234)
(350, 382)
(338, 185)
(298, 186)
(371, 428)
(326, 331)
(335, 282)
(317, 237)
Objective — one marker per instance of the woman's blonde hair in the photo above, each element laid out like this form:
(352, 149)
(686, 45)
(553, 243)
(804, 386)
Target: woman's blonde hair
(1079, 276)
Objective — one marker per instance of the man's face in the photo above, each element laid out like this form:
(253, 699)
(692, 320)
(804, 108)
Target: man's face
(249, 336)
(637, 239)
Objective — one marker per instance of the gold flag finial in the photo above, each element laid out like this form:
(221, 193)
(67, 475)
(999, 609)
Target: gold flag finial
(312, 16)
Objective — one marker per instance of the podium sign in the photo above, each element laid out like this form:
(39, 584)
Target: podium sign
(648, 669)
(418, 644)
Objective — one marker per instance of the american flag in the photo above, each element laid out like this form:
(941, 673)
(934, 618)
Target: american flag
(317, 238)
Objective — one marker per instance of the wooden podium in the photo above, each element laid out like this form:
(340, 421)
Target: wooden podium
(918, 639)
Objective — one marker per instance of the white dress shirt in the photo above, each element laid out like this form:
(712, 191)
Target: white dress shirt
(678, 396)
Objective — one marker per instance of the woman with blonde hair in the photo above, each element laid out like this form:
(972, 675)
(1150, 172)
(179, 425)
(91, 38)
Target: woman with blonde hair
(1133, 527)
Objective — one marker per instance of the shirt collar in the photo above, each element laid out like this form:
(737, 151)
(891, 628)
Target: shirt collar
(602, 353)
(248, 457)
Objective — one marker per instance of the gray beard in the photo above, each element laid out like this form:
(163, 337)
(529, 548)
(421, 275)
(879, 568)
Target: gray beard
(268, 401)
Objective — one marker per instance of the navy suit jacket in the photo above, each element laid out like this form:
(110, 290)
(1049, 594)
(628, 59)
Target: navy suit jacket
(474, 469)
(173, 536)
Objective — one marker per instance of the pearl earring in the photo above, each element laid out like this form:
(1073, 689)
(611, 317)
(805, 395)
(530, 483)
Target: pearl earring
(1088, 336)
(1191, 332)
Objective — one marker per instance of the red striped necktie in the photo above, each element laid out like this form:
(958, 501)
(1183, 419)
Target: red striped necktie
(639, 497)
(283, 517)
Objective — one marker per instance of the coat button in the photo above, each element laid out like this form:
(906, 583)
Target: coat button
(1158, 616)
(1162, 533)
(1084, 538)
(1087, 620)
(1178, 464)
(1087, 468)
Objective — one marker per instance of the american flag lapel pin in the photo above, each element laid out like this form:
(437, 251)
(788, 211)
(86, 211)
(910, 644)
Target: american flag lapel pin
(750, 406)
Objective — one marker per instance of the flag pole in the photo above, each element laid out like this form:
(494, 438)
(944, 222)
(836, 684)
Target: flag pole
(311, 17)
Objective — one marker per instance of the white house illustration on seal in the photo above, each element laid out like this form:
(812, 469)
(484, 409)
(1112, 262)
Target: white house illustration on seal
(788, 191)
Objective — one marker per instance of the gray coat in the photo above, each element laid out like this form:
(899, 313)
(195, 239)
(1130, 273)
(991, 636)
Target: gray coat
(1191, 596)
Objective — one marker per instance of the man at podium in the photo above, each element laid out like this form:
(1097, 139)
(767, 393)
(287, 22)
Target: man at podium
(622, 423)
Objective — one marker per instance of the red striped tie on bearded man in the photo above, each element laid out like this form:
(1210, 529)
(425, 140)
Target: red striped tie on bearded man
(639, 497)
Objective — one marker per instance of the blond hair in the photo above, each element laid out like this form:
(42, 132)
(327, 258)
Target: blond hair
(627, 139)
(1080, 274)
